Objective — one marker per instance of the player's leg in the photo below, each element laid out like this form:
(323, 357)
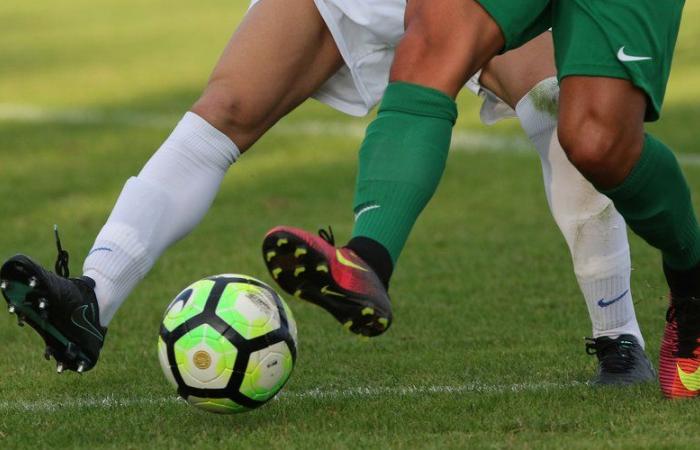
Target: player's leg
(446, 42)
(266, 70)
(403, 155)
(441, 48)
(279, 56)
(614, 79)
(405, 149)
(595, 232)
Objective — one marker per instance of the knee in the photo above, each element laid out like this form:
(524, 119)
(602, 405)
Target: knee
(598, 146)
(227, 107)
(588, 145)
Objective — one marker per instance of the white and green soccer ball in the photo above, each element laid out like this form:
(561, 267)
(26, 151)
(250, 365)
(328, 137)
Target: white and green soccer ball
(228, 343)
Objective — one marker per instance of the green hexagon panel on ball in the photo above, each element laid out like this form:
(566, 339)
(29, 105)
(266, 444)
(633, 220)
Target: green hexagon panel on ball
(228, 343)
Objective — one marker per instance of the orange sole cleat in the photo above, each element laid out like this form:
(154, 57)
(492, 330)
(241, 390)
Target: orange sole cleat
(679, 358)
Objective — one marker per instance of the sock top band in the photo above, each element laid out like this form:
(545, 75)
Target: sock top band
(419, 100)
(194, 123)
(641, 172)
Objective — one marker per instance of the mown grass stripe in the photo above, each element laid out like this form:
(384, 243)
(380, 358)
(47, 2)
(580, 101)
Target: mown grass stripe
(468, 141)
(471, 141)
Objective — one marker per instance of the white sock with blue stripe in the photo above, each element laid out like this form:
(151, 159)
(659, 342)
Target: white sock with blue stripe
(594, 231)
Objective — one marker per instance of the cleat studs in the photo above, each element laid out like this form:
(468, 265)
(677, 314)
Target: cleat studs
(3, 284)
(282, 241)
(347, 325)
(47, 353)
(297, 293)
(299, 251)
(276, 272)
(271, 254)
(322, 268)
(59, 367)
(81, 367)
(384, 322)
(32, 282)
(11, 309)
(368, 311)
(298, 270)
(42, 304)
(20, 321)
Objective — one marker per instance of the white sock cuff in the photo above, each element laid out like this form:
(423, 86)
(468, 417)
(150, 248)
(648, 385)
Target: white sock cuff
(192, 125)
(538, 109)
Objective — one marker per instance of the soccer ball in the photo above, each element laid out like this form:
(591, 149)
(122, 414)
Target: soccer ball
(228, 343)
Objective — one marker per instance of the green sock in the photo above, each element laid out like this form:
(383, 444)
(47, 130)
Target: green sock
(401, 162)
(655, 201)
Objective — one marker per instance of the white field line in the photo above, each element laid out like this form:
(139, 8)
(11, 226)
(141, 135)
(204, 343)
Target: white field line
(111, 402)
(464, 141)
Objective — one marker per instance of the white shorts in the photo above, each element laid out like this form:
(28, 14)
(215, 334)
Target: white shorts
(366, 33)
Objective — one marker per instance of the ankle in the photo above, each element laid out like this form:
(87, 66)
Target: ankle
(375, 255)
(683, 283)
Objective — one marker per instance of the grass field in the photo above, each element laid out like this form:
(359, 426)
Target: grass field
(486, 350)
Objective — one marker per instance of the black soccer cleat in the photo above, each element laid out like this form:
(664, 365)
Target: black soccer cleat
(621, 361)
(62, 310)
(311, 268)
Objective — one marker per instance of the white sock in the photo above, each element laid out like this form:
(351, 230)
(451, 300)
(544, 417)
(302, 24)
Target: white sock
(158, 207)
(594, 231)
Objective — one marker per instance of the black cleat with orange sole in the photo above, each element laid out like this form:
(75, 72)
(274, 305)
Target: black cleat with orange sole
(310, 267)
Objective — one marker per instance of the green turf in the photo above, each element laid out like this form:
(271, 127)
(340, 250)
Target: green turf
(485, 300)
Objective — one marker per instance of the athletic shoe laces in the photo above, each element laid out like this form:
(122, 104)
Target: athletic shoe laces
(61, 265)
(327, 235)
(614, 355)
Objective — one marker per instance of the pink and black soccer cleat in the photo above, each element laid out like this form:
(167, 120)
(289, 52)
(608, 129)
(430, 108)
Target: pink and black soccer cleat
(312, 268)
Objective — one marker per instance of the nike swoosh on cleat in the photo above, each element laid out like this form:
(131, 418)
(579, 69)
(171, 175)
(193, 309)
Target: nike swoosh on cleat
(346, 262)
(691, 381)
(326, 291)
(624, 57)
(603, 304)
(79, 318)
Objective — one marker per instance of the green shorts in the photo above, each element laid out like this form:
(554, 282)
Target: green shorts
(629, 39)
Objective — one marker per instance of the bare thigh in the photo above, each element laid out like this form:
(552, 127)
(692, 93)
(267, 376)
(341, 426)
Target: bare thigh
(512, 75)
(278, 57)
(446, 42)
